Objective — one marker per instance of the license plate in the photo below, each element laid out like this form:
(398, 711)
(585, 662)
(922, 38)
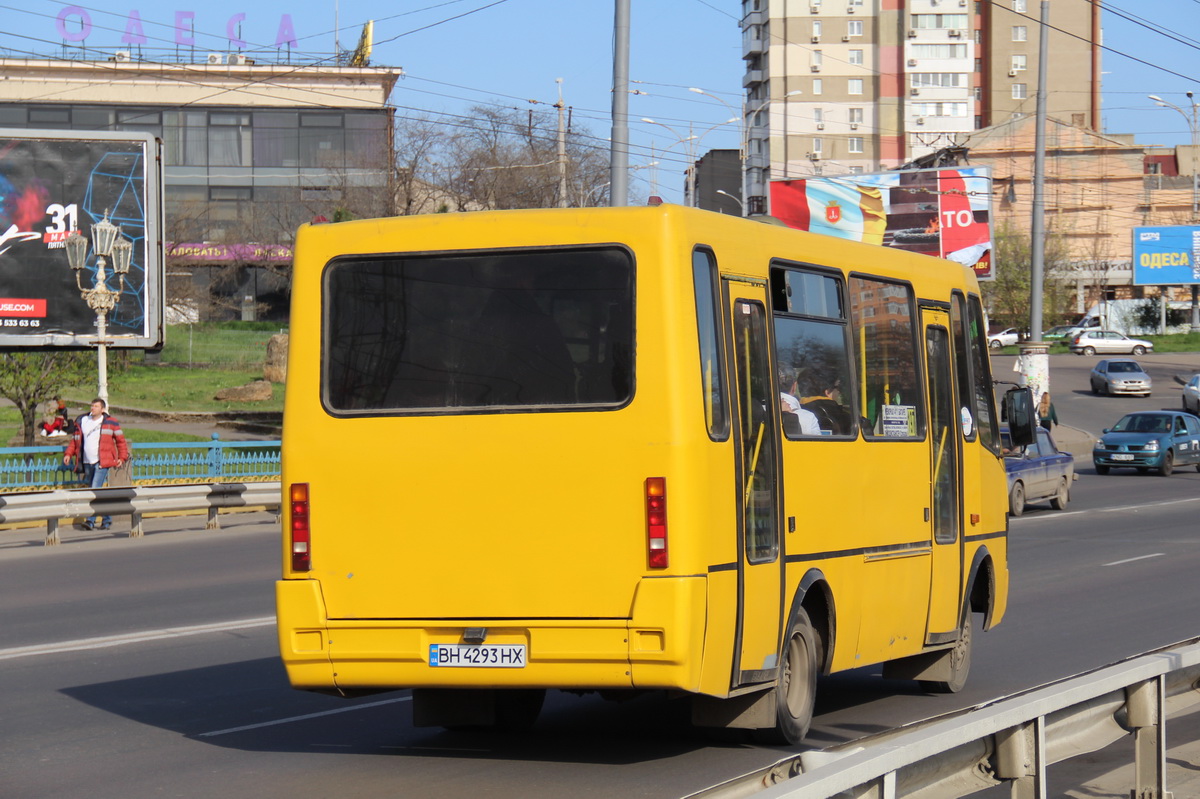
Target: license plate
(477, 656)
(1120, 457)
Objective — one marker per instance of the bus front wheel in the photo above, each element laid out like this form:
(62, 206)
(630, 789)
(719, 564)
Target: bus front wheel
(796, 684)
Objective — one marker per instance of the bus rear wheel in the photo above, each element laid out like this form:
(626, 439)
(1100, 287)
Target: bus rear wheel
(960, 664)
(796, 685)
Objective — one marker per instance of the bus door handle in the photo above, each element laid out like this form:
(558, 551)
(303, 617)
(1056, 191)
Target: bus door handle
(927, 514)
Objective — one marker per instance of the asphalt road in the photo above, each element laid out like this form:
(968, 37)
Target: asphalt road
(111, 685)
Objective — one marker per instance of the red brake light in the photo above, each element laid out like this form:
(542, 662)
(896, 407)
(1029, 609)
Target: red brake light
(301, 556)
(656, 522)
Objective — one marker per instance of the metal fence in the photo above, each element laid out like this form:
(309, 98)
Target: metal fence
(40, 468)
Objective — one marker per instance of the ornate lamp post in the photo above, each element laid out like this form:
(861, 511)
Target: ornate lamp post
(106, 243)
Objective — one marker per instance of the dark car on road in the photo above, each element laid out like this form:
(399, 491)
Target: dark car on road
(1037, 472)
(1145, 440)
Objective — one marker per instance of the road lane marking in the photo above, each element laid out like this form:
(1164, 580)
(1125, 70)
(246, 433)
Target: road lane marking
(305, 717)
(105, 641)
(1118, 509)
(1131, 560)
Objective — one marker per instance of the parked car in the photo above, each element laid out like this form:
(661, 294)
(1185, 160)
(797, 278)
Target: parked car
(1120, 376)
(1191, 395)
(1037, 472)
(1089, 342)
(1057, 333)
(1145, 440)
(1005, 338)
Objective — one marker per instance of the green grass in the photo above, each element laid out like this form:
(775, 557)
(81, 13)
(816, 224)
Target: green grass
(174, 388)
(234, 345)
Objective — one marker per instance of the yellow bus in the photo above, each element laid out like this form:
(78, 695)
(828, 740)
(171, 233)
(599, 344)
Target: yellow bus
(632, 449)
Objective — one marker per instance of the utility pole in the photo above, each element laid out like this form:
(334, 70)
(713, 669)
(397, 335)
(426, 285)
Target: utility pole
(562, 148)
(619, 158)
(1034, 358)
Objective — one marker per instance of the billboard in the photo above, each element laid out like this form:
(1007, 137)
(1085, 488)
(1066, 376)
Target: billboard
(56, 182)
(945, 212)
(1166, 256)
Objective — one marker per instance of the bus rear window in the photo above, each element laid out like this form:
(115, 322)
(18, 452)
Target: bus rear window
(519, 330)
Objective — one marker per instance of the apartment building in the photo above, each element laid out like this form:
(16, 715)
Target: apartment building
(852, 86)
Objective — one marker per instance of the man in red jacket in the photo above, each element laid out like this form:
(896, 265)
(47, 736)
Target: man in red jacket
(100, 445)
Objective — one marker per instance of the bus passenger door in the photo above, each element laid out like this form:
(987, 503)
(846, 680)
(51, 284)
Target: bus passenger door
(760, 564)
(945, 481)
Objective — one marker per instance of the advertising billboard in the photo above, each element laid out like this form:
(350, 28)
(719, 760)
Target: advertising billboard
(54, 183)
(1166, 256)
(945, 212)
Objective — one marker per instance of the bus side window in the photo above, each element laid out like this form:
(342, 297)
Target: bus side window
(708, 325)
(815, 379)
(886, 353)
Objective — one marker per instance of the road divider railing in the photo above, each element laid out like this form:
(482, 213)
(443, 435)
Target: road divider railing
(38, 468)
(54, 507)
(1010, 741)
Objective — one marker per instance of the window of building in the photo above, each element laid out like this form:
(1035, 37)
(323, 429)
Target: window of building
(229, 139)
(816, 29)
(276, 138)
(940, 80)
(185, 138)
(817, 85)
(856, 116)
(818, 114)
(1020, 33)
(816, 144)
(1019, 6)
(366, 140)
(940, 109)
(939, 51)
(1018, 91)
(815, 58)
(856, 170)
(90, 118)
(939, 21)
(856, 57)
(230, 193)
(854, 27)
(855, 3)
(1019, 62)
(322, 140)
(855, 143)
(854, 86)
(53, 118)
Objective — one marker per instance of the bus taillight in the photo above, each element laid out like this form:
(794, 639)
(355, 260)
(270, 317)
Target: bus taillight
(656, 522)
(301, 556)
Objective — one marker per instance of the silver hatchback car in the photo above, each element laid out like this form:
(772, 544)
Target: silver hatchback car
(1120, 376)
(1107, 342)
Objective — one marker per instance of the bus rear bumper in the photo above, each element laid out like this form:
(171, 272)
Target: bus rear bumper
(660, 647)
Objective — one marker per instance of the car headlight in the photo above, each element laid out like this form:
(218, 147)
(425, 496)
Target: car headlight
(1098, 445)
(1152, 446)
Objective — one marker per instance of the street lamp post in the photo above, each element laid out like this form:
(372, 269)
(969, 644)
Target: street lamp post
(741, 205)
(107, 242)
(741, 116)
(689, 140)
(1195, 130)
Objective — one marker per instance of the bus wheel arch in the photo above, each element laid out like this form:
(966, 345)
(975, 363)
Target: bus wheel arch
(981, 588)
(814, 596)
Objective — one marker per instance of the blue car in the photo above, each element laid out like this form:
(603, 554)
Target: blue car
(1037, 472)
(1145, 440)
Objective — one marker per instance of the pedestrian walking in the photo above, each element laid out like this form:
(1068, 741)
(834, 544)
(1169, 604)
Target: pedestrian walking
(100, 445)
(1047, 416)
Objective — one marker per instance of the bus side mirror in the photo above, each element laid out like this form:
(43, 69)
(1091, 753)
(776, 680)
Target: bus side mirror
(1021, 420)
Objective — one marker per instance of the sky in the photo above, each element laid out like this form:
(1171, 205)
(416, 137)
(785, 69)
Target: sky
(457, 54)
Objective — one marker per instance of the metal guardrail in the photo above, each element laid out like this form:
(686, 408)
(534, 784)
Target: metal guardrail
(30, 468)
(1010, 741)
(135, 501)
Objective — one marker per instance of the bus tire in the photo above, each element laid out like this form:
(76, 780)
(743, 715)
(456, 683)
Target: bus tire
(960, 664)
(796, 684)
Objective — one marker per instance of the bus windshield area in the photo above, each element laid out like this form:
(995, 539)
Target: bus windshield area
(489, 331)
